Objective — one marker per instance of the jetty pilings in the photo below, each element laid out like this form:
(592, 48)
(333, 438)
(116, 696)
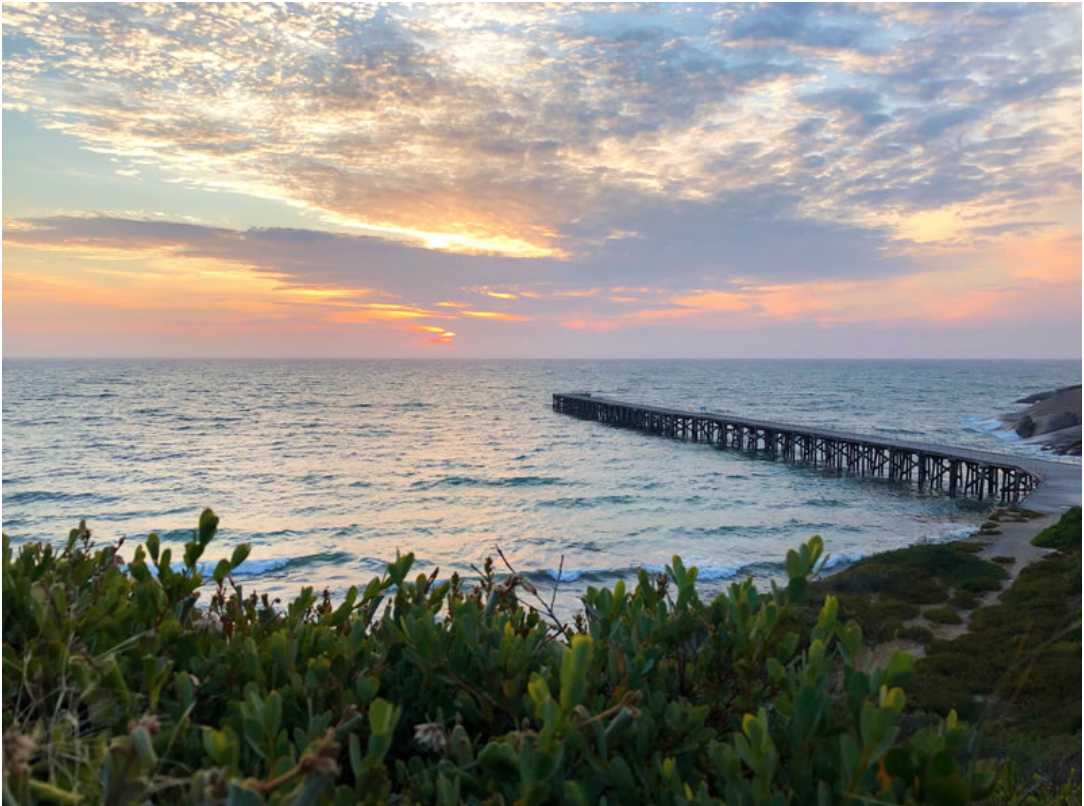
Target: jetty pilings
(950, 470)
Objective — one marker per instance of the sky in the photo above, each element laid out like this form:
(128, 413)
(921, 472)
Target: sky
(542, 180)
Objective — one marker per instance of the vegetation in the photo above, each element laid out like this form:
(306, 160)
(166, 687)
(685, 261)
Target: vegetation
(943, 615)
(1016, 675)
(1065, 534)
(118, 689)
(886, 591)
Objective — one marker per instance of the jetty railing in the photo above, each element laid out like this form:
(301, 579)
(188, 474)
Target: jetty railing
(956, 471)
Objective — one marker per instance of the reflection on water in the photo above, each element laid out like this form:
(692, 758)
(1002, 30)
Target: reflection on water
(328, 467)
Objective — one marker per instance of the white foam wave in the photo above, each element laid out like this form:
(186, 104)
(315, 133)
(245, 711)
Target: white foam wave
(250, 568)
(705, 572)
(566, 574)
(992, 426)
(843, 558)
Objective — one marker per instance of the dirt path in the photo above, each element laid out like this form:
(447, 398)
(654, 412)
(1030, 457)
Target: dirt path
(1012, 539)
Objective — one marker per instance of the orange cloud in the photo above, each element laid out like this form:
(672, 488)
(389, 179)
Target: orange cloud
(438, 335)
(504, 317)
(714, 301)
(381, 312)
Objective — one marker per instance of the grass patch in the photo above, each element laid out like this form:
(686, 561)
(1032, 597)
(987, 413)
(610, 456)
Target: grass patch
(1001, 559)
(965, 600)
(969, 546)
(1064, 534)
(982, 584)
(1028, 514)
(1017, 670)
(884, 591)
(943, 615)
(914, 574)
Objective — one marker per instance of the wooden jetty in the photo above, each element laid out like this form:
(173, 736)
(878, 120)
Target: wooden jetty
(955, 471)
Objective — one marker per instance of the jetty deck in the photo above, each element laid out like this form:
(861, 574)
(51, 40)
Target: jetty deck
(1043, 485)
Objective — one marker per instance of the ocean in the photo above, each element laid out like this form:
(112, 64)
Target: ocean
(329, 467)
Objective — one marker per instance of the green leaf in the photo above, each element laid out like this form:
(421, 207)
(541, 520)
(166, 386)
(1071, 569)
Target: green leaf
(241, 795)
(775, 670)
(382, 716)
(240, 554)
(152, 545)
(208, 526)
(899, 668)
(221, 746)
(498, 758)
(222, 570)
(53, 794)
(141, 741)
(794, 564)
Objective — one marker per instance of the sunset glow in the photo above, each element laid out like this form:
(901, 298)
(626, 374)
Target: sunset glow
(531, 180)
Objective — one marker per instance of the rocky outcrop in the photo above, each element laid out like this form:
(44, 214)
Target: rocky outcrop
(1052, 419)
(1041, 396)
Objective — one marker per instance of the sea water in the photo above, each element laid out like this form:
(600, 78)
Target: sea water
(328, 468)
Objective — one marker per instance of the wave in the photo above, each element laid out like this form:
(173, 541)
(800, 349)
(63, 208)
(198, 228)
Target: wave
(31, 496)
(992, 426)
(825, 502)
(843, 558)
(946, 533)
(706, 571)
(584, 503)
(256, 568)
(473, 481)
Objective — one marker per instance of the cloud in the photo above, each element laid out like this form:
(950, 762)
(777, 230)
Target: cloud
(487, 131)
(191, 282)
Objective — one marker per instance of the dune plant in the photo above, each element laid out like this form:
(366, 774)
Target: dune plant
(122, 685)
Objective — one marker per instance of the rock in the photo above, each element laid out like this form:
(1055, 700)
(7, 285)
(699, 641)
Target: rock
(1046, 423)
(1035, 398)
(1053, 419)
(1025, 427)
(1038, 397)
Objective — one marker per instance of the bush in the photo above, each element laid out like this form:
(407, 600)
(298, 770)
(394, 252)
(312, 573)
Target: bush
(969, 546)
(118, 689)
(943, 615)
(965, 600)
(1065, 534)
(981, 584)
(1020, 659)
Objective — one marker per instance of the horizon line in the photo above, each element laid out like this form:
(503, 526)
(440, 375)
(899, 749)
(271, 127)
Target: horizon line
(526, 358)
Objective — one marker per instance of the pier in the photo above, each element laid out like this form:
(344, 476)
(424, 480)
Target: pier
(951, 470)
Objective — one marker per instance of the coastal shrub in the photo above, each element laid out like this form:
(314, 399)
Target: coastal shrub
(881, 617)
(965, 600)
(969, 546)
(981, 584)
(118, 688)
(1002, 559)
(943, 615)
(1019, 660)
(1065, 534)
